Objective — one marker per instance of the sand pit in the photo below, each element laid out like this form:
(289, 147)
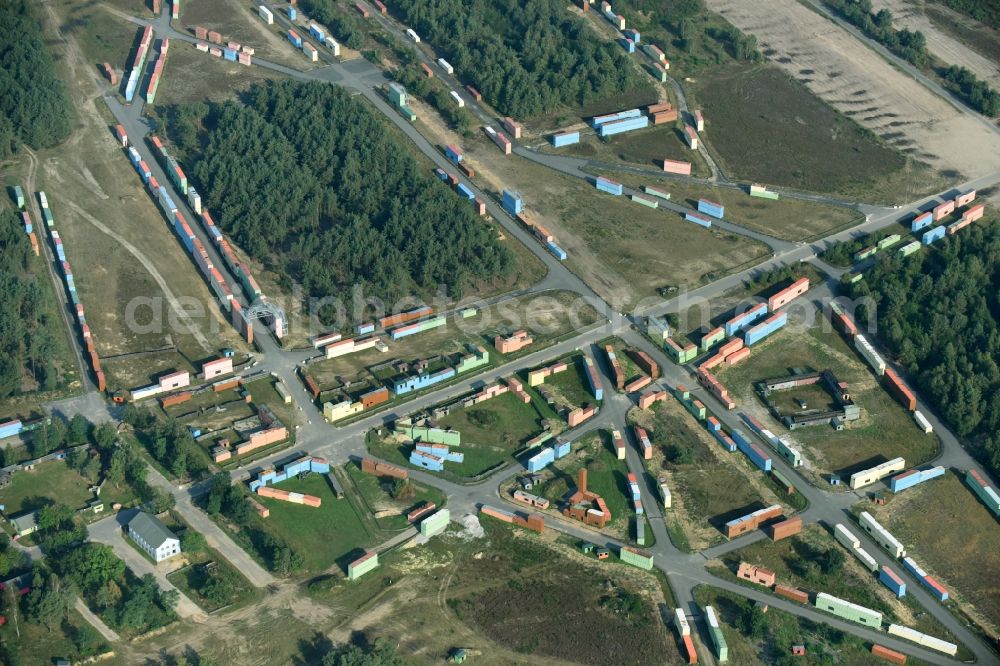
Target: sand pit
(841, 70)
(907, 14)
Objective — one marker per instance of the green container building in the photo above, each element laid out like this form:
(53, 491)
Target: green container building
(636, 557)
(865, 253)
(656, 193)
(909, 248)
(468, 312)
(538, 440)
(849, 611)
(19, 196)
(430, 435)
(657, 73)
(362, 565)
(762, 192)
(888, 241)
(408, 113)
(435, 523)
(851, 278)
(640, 530)
(648, 203)
(713, 338)
(696, 407)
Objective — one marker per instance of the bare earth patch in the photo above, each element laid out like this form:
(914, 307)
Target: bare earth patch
(858, 82)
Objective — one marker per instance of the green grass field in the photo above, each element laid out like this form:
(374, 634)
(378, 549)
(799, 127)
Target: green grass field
(326, 536)
(390, 513)
(885, 429)
(194, 580)
(955, 538)
(38, 646)
(569, 387)
(606, 475)
(766, 127)
(492, 432)
(52, 482)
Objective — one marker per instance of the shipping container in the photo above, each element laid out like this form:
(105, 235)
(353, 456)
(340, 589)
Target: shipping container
(921, 221)
(293, 36)
(700, 220)
(608, 185)
(457, 98)
(711, 208)
(621, 126)
(891, 579)
(934, 235)
(446, 66)
(413, 35)
(265, 14)
(674, 166)
(565, 139)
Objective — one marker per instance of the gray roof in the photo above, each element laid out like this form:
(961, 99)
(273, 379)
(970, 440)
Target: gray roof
(150, 529)
(25, 521)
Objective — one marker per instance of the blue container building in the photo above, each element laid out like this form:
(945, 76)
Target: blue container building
(608, 185)
(628, 45)
(727, 442)
(562, 449)
(711, 208)
(292, 14)
(452, 154)
(621, 126)
(597, 121)
(935, 234)
(565, 139)
(891, 580)
(700, 220)
(512, 202)
(922, 221)
(761, 331)
(633, 35)
(556, 250)
(465, 192)
(540, 460)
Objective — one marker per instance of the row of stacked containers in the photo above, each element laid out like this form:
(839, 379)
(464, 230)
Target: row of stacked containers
(191, 243)
(154, 78)
(67, 273)
(135, 73)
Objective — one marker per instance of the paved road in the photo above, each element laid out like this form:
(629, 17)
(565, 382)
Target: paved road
(213, 534)
(109, 634)
(109, 532)
(684, 570)
(903, 65)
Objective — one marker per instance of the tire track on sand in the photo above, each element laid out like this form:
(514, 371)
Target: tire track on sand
(148, 265)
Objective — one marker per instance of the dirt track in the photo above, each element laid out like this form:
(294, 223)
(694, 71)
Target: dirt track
(909, 14)
(858, 82)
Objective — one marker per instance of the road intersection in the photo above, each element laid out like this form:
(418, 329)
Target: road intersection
(684, 571)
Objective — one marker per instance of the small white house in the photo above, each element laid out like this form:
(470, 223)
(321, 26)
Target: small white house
(153, 537)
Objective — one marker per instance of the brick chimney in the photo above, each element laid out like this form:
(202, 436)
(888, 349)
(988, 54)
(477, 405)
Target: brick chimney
(581, 480)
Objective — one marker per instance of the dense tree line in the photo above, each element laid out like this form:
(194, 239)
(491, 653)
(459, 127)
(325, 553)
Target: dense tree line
(939, 314)
(412, 77)
(307, 178)
(169, 442)
(345, 26)
(984, 11)
(229, 500)
(527, 57)
(27, 329)
(978, 94)
(912, 47)
(908, 45)
(34, 108)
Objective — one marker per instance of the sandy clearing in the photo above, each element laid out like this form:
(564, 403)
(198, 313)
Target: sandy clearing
(858, 82)
(909, 14)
